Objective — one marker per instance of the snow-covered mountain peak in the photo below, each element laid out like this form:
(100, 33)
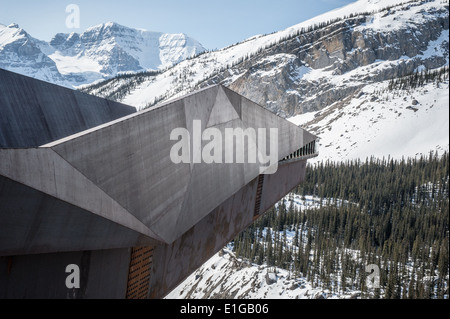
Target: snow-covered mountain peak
(107, 25)
(11, 33)
(101, 51)
(110, 29)
(13, 26)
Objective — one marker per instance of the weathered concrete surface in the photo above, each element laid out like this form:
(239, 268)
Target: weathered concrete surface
(175, 262)
(45, 171)
(276, 186)
(130, 161)
(122, 170)
(34, 112)
(34, 222)
(103, 275)
(104, 272)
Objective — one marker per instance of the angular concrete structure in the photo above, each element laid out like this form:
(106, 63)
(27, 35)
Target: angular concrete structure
(90, 182)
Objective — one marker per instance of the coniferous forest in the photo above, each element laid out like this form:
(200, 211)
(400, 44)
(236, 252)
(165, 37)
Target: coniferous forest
(389, 214)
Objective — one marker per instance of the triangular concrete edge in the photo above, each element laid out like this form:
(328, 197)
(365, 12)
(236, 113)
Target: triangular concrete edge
(223, 110)
(234, 98)
(198, 106)
(247, 177)
(52, 171)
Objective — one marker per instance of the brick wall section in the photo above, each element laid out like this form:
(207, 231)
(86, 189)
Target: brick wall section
(139, 272)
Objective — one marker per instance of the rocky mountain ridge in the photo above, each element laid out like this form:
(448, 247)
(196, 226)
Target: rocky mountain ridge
(100, 52)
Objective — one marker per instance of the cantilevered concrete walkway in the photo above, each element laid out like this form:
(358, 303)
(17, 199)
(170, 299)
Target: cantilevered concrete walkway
(79, 173)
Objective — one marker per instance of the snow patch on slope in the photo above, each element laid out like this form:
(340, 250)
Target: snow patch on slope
(396, 124)
(75, 64)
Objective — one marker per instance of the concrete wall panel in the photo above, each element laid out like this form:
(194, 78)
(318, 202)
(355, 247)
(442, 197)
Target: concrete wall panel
(173, 263)
(32, 222)
(34, 112)
(45, 171)
(131, 162)
(276, 186)
(103, 274)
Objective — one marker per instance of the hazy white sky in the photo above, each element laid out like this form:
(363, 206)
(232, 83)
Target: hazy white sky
(215, 24)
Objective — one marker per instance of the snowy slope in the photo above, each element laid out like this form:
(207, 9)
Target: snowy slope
(380, 123)
(225, 276)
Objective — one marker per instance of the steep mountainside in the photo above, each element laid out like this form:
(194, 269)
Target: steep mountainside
(100, 52)
(311, 65)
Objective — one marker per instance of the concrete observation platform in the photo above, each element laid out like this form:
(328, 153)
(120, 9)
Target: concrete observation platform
(90, 182)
